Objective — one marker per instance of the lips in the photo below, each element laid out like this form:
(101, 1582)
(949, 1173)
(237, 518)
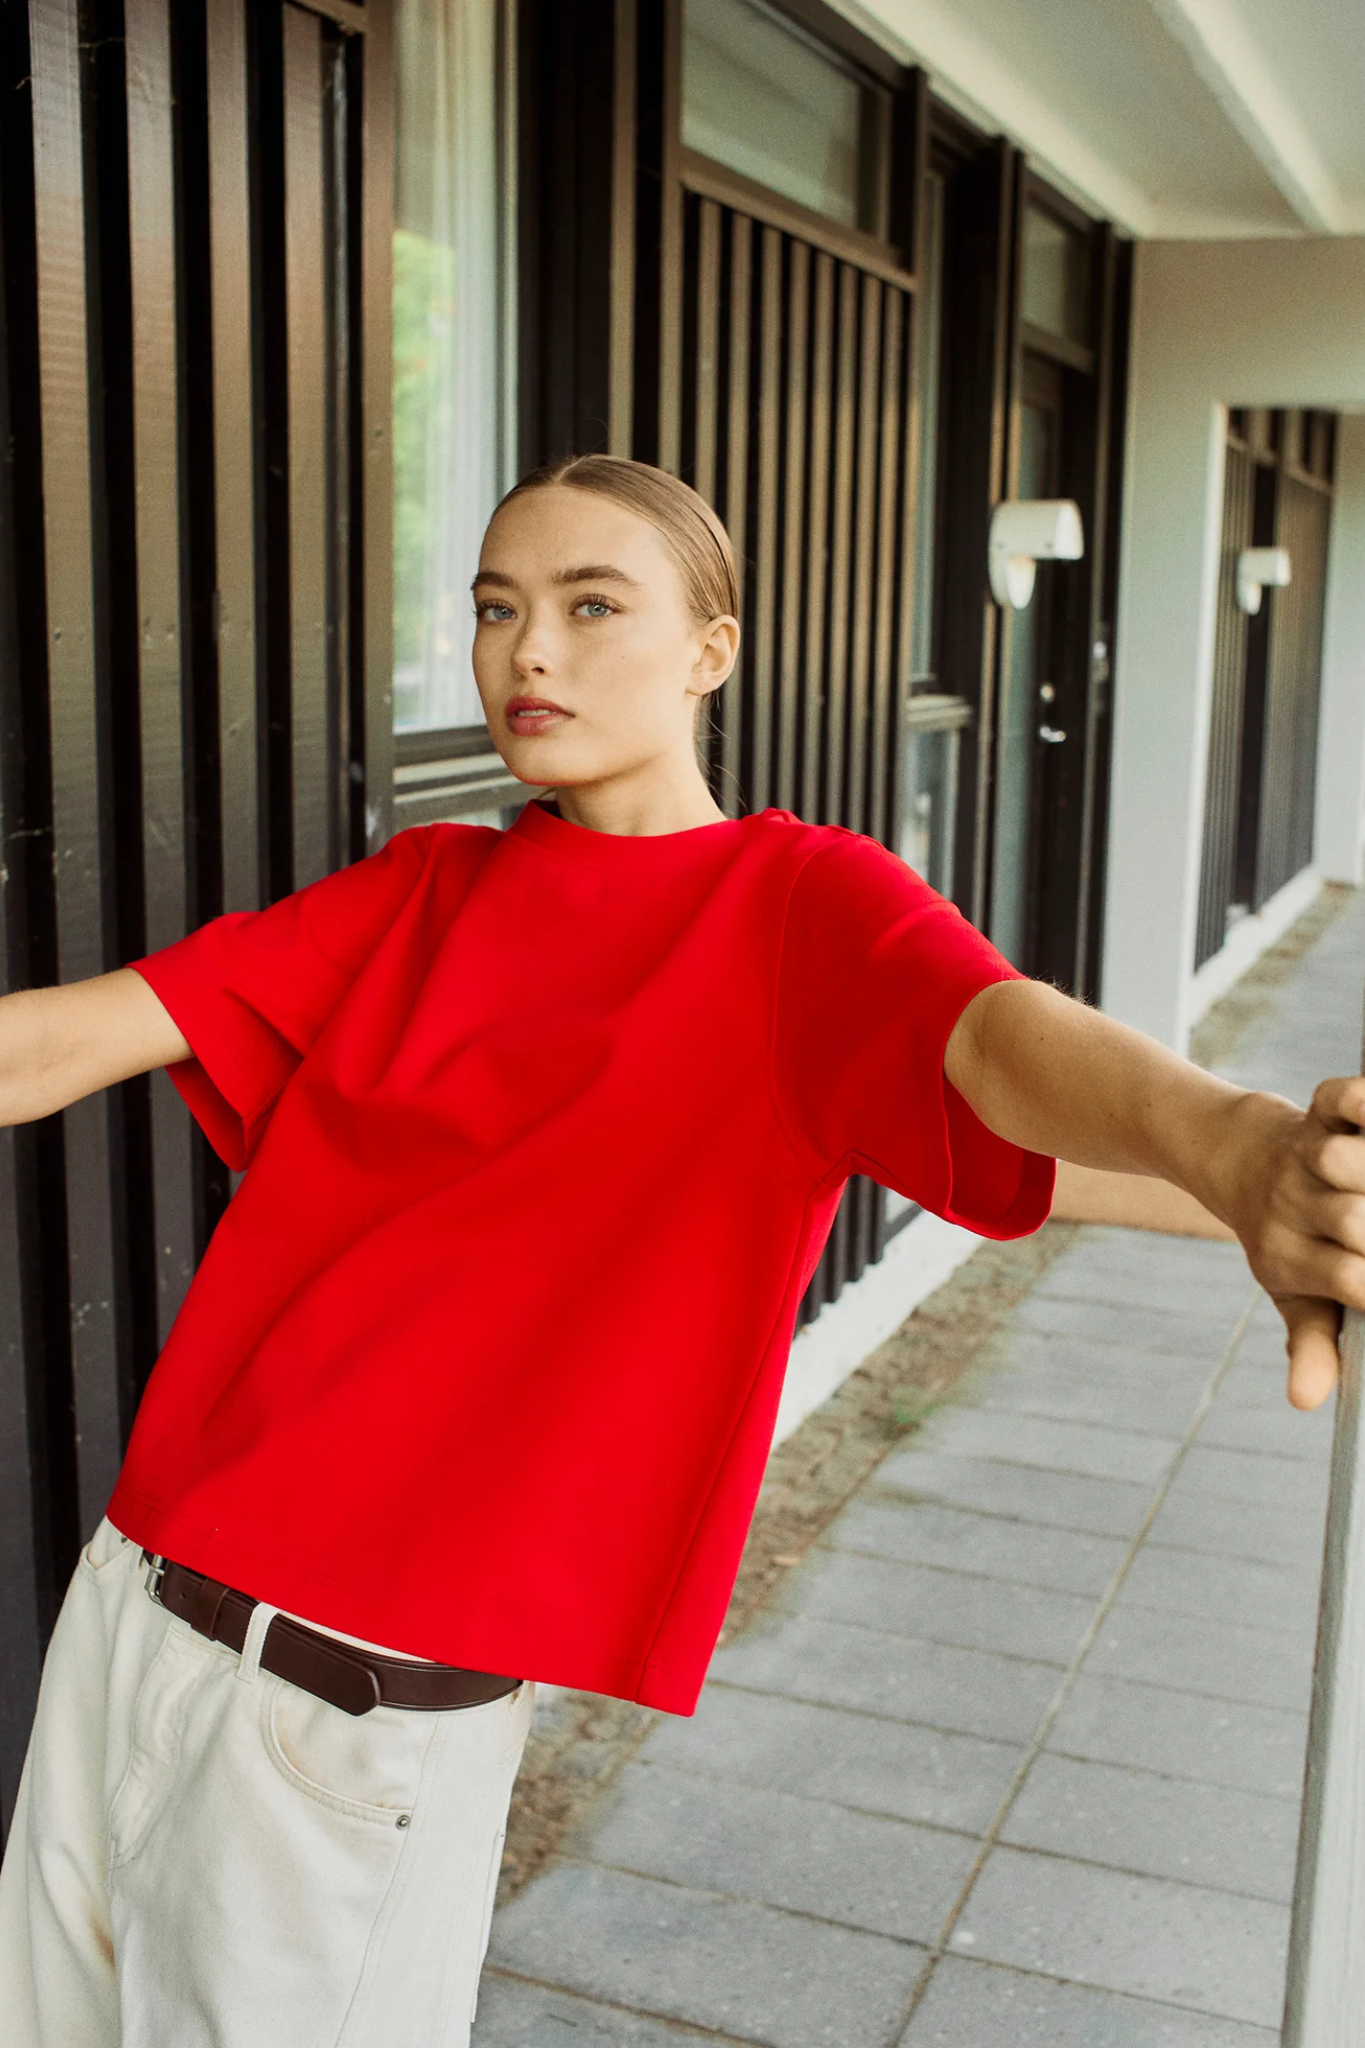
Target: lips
(525, 715)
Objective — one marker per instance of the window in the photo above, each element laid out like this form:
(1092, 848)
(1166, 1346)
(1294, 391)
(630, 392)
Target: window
(762, 97)
(1056, 293)
(451, 426)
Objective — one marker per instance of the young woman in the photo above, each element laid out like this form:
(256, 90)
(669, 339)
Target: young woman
(543, 1132)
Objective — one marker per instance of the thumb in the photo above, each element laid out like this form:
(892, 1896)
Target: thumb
(1313, 1326)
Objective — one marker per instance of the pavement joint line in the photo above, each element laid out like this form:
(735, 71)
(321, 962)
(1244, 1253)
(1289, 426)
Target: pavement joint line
(634, 2012)
(867, 1628)
(1198, 2012)
(801, 1699)
(1073, 1670)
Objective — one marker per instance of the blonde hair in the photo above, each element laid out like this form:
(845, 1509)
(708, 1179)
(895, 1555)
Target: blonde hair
(696, 538)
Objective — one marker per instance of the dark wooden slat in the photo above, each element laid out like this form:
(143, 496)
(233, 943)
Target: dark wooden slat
(763, 655)
(814, 669)
(307, 248)
(864, 549)
(841, 548)
(81, 860)
(737, 488)
(707, 371)
(21, 656)
(1225, 714)
(239, 736)
(155, 401)
(888, 681)
(793, 521)
(372, 463)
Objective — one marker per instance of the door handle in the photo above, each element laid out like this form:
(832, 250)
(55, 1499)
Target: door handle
(1051, 735)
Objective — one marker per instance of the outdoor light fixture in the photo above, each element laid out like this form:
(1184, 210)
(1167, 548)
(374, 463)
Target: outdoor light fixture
(1257, 570)
(1024, 532)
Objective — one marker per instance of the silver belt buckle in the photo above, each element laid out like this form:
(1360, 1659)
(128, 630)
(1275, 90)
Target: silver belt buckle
(156, 1572)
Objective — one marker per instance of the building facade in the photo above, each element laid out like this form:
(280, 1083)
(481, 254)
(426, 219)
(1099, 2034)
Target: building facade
(291, 290)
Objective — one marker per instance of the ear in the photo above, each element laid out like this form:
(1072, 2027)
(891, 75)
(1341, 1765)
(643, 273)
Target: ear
(718, 651)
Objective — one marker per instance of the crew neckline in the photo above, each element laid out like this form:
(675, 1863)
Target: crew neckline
(610, 849)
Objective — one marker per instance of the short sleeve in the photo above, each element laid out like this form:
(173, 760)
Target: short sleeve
(252, 990)
(876, 969)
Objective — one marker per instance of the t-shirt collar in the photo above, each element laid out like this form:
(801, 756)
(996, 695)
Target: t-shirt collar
(581, 843)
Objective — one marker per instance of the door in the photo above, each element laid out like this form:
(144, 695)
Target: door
(1027, 710)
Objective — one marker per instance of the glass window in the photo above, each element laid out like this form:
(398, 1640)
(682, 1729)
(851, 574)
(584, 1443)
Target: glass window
(1056, 295)
(930, 429)
(764, 98)
(449, 382)
(929, 788)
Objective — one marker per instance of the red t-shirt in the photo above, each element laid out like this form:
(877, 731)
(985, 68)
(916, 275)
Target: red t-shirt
(544, 1131)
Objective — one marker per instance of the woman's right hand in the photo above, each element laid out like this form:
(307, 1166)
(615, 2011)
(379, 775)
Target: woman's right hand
(58, 1044)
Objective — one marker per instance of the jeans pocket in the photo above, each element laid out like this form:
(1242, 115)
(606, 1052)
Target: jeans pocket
(368, 1765)
(106, 1547)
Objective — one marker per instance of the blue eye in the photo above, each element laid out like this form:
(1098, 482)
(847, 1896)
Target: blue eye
(595, 607)
(492, 610)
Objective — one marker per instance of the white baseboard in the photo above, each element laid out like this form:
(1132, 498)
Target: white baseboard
(918, 1259)
(1248, 939)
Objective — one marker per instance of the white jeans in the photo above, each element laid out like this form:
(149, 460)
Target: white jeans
(205, 1856)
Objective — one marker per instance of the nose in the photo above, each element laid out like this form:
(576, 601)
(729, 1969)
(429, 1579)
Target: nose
(531, 654)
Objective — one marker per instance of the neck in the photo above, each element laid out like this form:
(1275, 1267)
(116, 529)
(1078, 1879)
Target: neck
(660, 797)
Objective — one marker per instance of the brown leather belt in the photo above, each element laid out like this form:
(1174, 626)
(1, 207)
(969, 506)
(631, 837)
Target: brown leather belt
(350, 1678)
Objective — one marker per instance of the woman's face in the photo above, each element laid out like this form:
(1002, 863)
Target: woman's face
(588, 661)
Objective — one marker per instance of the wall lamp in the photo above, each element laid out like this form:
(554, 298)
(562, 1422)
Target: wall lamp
(1259, 569)
(1024, 532)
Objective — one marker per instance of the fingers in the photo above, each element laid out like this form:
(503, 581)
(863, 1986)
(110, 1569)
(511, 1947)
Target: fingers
(1340, 1103)
(1313, 1327)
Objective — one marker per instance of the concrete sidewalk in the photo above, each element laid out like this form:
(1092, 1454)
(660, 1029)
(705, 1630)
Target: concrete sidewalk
(1014, 1755)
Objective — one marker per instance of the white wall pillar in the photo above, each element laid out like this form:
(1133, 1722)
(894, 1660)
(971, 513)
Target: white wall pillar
(1340, 838)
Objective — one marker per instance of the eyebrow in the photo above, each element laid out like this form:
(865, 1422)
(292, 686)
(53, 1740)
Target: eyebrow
(594, 572)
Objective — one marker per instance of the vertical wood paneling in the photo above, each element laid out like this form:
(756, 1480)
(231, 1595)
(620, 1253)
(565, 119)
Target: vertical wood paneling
(761, 668)
(735, 509)
(171, 304)
(793, 522)
(815, 679)
(864, 549)
(83, 881)
(152, 237)
(707, 372)
(841, 546)
(239, 737)
(307, 237)
(891, 592)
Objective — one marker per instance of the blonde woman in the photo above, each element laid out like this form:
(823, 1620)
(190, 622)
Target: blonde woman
(542, 1134)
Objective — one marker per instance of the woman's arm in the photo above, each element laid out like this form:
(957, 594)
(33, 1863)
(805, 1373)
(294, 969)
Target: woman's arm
(1051, 1074)
(57, 1044)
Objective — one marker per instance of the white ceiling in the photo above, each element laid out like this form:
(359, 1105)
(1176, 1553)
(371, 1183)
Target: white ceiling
(1177, 118)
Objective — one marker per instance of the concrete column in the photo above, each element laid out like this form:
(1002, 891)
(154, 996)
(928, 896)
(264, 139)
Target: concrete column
(1340, 826)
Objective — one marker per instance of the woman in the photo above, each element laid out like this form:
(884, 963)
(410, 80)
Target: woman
(543, 1132)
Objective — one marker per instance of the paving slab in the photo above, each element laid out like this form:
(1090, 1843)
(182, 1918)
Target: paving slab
(1191, 1653)
(1172, 1330)
(1184, 1944)
(1019, 1553)
(781, 1848)
(968, 1610)
(1184, 1735)
(1078, 1275)
(980, 2005)
(1288, 1432)
(1257, 1477)
(514, 2014)
(745, 1969)
(1265, 1532)
(1054, 1446)
(1112, 1403)
(970, 1692)
(861, 1760)
(1224, 1589)
(1057, 1500)
(1162, 1827)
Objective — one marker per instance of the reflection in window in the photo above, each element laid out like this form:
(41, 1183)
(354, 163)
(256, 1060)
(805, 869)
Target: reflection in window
(930, 429)
(1056, 294)
(765, 99)
(448, 341)
(929, 787)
